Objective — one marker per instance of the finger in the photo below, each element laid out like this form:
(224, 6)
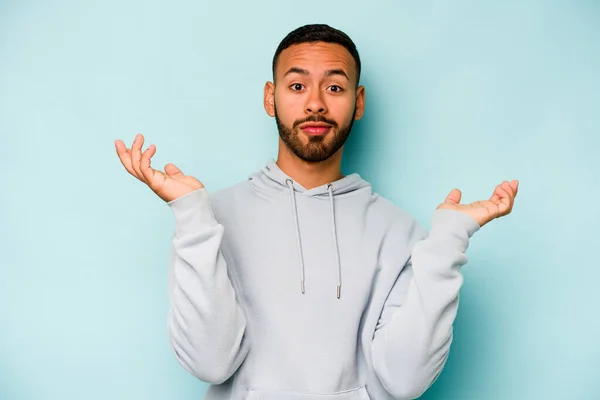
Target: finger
(515, 186)
(125, 157)
(497, 194)
(136, 155)
(454, 196)
(505, 200)
(504, 195)
(172, 170)
(145, 167)
(509, 189)
(122, 152)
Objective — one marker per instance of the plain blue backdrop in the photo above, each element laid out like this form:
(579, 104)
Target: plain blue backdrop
(458, 94)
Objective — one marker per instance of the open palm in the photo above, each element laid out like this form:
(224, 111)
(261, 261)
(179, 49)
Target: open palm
(168, 185)
(499, 204)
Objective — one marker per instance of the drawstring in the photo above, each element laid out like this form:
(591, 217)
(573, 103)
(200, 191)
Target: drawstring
(290, 185)
(335, 243)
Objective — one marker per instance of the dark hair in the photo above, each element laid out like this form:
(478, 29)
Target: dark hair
(317, 33)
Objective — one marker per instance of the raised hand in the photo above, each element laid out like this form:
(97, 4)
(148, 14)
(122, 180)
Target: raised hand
(500, 204)
(168, 185)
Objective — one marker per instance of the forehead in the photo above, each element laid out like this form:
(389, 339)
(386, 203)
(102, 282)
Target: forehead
(316, 57)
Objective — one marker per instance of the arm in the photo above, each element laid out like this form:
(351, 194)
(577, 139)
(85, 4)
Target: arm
(207, 327)
(412, 338)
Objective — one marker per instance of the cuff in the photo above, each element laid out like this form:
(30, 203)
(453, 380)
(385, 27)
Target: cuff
(192, 211)
(454, 227)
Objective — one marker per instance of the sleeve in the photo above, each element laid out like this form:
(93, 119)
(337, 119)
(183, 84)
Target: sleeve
(206, 325)
(413, 335)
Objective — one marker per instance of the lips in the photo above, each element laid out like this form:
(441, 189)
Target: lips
(315, 130)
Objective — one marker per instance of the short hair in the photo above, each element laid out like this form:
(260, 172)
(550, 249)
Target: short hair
(317, 33)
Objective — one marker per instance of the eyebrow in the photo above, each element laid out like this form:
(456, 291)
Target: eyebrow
(329, 72)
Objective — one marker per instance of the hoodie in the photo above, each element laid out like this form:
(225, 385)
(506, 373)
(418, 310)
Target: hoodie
(281, 292)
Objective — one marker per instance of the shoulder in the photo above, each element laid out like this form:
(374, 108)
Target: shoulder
(399, 222)
(227, 200)
(229, 193)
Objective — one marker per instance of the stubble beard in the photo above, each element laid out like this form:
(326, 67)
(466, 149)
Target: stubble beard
(317, 149)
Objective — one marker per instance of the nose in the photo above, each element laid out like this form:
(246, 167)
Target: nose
(315, 103)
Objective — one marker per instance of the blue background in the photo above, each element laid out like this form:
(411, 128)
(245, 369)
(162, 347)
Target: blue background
(459, 94)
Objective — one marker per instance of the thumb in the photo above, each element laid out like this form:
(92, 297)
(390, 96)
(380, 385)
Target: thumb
(454, 197)
(172, 170)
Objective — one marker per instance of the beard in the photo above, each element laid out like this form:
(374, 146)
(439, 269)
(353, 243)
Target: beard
(317, 149)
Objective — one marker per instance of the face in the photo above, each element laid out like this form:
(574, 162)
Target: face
(315, 99)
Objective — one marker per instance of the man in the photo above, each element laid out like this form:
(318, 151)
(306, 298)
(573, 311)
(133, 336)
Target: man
(301, 283)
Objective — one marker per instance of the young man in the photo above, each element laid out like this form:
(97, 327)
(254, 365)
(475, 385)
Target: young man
(301, 283)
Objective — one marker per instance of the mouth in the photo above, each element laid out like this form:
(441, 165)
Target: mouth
(315, 129)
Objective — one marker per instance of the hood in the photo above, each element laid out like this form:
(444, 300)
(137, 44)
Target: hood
(272, 178)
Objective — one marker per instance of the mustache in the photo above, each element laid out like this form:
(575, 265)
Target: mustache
(315, 118)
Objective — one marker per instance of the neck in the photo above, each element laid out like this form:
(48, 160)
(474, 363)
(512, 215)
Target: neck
(309, 174)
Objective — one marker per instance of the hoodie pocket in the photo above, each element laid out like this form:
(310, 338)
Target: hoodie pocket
(359, 393)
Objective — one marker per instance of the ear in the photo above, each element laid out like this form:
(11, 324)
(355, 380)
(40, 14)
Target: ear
(360, 102)
(269, 98)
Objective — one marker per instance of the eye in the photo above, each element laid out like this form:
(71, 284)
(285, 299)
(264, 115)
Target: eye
(335, 88)
(296, 86)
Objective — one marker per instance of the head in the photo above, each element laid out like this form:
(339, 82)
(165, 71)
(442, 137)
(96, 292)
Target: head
(315, 95)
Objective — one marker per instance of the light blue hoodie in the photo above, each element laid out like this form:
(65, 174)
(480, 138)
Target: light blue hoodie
(279, 292)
